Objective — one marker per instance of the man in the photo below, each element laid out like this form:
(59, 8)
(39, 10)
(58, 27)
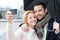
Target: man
(47, 28)
(45, 22)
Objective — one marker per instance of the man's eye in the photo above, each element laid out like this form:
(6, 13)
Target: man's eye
(40, 10)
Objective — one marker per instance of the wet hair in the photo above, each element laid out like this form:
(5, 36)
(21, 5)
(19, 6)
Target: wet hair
(40, 3)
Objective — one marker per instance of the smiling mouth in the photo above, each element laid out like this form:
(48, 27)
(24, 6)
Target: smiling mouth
(34, 22)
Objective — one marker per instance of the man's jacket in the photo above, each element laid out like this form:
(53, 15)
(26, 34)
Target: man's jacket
(51, 34)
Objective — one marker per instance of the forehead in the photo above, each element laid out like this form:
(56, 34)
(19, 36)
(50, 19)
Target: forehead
(38, 7)
(30, 15)
(9, 12)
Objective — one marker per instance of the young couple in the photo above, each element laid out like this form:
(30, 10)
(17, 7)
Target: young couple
(35, 25)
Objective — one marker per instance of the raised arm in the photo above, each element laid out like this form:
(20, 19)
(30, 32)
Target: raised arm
(10, 34)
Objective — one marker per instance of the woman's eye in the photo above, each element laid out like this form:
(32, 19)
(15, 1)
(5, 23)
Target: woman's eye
(30, 18)
(34, 17)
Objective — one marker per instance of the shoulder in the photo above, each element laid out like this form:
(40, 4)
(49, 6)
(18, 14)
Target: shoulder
(19, 30)
(21, 24)
(58, 20)
(54, 19)
(24, 25)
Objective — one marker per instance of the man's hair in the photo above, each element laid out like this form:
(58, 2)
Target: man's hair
(40, 3)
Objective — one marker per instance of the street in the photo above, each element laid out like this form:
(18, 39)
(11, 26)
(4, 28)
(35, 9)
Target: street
(3, 28)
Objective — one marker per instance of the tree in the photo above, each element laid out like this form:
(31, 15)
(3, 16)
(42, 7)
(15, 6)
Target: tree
(0, 14)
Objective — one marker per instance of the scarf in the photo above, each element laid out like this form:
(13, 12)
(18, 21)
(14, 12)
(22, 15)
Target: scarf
(40, 25)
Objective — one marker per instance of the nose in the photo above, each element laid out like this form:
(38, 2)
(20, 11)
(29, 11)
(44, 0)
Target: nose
(33, 19)
(37, 13)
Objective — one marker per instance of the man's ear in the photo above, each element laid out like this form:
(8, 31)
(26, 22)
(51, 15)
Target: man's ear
(46, 10)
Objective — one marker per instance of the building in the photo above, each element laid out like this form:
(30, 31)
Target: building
(18, 13)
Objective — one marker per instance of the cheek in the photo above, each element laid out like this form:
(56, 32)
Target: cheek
(36, 14)
(36, 20)
(44, 13)
(28, 21)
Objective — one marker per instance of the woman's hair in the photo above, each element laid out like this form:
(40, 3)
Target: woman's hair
(26, 14)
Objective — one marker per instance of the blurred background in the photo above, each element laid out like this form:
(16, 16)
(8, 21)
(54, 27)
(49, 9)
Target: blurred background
(18, 7)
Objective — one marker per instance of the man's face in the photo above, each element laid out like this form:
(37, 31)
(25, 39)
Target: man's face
(40, 12)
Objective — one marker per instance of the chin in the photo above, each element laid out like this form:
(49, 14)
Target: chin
(40, 18)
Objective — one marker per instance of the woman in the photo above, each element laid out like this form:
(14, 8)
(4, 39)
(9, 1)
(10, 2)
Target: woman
(30, 20)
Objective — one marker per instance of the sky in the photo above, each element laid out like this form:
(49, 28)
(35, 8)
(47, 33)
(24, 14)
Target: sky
(11, 3)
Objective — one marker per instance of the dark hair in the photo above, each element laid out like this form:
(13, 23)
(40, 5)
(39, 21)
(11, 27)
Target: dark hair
(40, 3)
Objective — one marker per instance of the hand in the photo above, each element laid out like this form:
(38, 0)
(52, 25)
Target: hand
(25, 28)
(9, 17)
(56, 27)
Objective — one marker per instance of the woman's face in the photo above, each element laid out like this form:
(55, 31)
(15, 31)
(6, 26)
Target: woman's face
(31, 19)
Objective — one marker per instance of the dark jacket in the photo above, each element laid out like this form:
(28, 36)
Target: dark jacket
(51, 34)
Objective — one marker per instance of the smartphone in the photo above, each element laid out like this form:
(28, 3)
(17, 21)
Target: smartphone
(14, 11)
